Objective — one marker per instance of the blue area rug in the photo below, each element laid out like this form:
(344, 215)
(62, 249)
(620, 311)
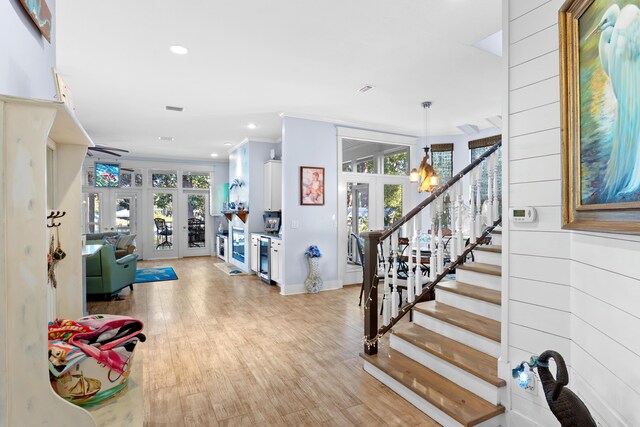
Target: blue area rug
(157, 274)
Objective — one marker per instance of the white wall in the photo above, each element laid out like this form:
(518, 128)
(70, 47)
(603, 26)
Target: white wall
(309, 143)
(26, 58)
(574, 292)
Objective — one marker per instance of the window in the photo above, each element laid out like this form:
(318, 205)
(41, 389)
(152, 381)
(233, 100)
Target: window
(347, 167)
(442, 160)
(365, 166)
(397, 163)
(195, 180)
(125, 179)
(164, 180)
(479, 147)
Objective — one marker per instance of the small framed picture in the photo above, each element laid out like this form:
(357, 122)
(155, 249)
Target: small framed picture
(311, 186)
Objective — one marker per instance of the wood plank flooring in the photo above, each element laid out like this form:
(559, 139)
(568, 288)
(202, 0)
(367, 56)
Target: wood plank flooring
(231, 351)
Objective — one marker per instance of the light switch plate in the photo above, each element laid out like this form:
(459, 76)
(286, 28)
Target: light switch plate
(295, 224)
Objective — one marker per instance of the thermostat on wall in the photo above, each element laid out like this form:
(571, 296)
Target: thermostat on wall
(522, 214)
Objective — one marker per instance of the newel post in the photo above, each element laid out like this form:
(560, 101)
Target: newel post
(371, 240)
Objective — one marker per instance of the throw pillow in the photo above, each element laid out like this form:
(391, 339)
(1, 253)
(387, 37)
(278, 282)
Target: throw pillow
(125, 241)
(112, 240)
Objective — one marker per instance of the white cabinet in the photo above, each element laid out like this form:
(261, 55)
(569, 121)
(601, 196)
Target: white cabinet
(254, 256)
(273, 185)
(221, 247)
(276, 260)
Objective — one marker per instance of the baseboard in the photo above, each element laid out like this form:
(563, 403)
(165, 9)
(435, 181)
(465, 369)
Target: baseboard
(515, 418)
(300, 288)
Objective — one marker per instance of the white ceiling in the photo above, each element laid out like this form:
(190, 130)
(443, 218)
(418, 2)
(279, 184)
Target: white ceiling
(250, 60)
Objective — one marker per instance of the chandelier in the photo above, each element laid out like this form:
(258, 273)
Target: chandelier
(425, 175)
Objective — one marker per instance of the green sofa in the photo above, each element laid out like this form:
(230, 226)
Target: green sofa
(107, 276)
(121, 250)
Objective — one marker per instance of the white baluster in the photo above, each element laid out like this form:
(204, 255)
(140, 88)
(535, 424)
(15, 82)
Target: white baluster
(478, 202)
(496, 201)
(460, 237)
(418, 274)
(472, 206)
(440, 250)
(490, 189)
(395, 297)
(432, 257)
(386, 301)
(409, 251)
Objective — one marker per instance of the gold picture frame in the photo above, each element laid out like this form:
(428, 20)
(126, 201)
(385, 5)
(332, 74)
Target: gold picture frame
(597, 194)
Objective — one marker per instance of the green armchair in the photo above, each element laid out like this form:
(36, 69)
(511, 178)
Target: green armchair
(107, 276)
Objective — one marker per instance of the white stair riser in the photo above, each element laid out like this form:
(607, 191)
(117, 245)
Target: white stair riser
(476, 385)
(486, 257)
(496, 239)
(472, 305)
(426, 407)
(479, 279)
(480, 343)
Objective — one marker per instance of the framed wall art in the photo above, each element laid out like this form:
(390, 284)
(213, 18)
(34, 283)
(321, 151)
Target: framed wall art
(40, 15)
(311, 186)
(600, 88)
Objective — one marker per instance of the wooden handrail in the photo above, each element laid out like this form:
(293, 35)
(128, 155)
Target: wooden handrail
(438, 191)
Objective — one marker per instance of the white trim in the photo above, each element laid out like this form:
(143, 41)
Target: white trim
(375, 136)
(248, 140)
(356, 125)
(300, 288)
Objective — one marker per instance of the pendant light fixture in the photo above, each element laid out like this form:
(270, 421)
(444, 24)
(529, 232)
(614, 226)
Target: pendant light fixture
(426, 173)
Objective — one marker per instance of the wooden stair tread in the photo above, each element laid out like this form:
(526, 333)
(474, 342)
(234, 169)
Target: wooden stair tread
(480, 325)
(464, 357)
(489, 248)
(477, 292)
(455, 401)
(480, 267)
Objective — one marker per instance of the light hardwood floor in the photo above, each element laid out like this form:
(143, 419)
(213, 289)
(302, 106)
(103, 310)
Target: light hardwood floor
(231, 351)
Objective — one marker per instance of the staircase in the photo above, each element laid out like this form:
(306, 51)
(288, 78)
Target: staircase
(445, 360)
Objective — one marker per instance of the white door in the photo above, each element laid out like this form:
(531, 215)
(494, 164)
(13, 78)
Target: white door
(196, 224)
(92, 211)
(371, 202)
(163, 235)
(126, 216)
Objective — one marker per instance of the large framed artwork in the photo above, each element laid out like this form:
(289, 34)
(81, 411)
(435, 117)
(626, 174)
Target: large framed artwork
(311, 186)
(40, 15)
(600, 85)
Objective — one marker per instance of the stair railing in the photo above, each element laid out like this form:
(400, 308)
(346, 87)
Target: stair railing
(447, 199)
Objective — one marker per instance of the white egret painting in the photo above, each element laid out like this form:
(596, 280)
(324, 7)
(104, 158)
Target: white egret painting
(609, 79)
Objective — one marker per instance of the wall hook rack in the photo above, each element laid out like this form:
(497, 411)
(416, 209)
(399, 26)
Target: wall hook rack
(55, 215)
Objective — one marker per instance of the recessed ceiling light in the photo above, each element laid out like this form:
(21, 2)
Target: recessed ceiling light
(214, 154)
(252, 126)
(365, 88)
(179, 50)
(166, 138)
(228, 144)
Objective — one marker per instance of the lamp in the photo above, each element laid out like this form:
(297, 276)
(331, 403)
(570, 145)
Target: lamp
(430, 179)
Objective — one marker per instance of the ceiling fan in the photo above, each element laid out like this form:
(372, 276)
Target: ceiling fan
(105, 149)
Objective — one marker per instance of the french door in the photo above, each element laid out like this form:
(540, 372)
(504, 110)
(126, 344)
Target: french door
(369, 202)
(163, 235)
(195, 230)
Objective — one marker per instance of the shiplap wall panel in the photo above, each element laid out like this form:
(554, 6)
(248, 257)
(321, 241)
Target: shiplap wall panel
(537, 45)
(517, 8)
(610, 287)
(552, 244)
(535, 120)
(535, 144)
(537, 413)
(547, 319)
(542, 193)
(545, 168)
(544, 17)
(596, 278)
(549, 270)
(534, 71)
(548, 219)
(610, 389)
(543, 294)
(534, 95)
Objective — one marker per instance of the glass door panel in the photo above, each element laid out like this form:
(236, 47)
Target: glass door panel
(196, 230)
(125, 213)
(92, 208)
(393, 194)
(163, 220)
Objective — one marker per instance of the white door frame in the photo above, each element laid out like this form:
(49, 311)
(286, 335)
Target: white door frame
(185, 250)
(408, 197)
(150, 252)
